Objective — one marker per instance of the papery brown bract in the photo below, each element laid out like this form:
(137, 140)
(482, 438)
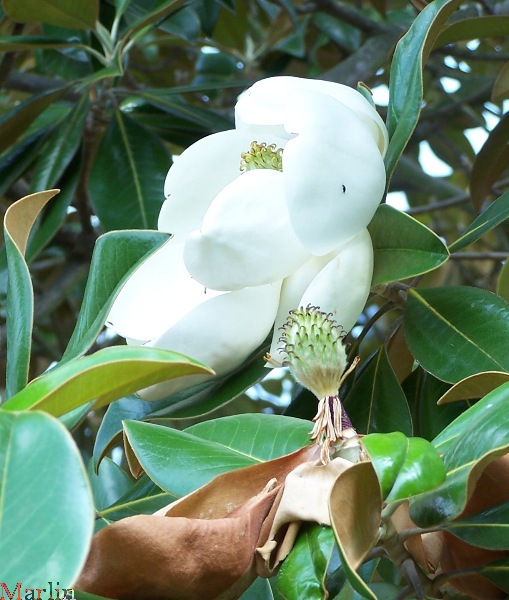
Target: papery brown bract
(201, 547)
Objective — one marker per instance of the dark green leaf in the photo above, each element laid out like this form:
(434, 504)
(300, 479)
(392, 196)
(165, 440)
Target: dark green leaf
(102, 377)
(423, 392)
(127, 178)
(455, 332)
(116, 255)
(76, 14)
(376, 403)
(303, 572)
(109, 484)
(17, 120)
(474, 28)
(61, 147)
(496, 213)
(406, 82)
(467, 445)
(498, 572)
(32, 42)
(403, 247)
(18, 222)
(44, 498)
(487, 529)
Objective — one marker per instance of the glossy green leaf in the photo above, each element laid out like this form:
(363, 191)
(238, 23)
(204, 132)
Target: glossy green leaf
(487, 529)
(477, 437)
(228, 443)
(75, 14)
(44, 498)
(179, 462)
(498, 572)
(474, 387)
(109, 484)
(405, 466)
(496, 213)
(491, 161)
(403, 247)
(133, 198)
(259, 590)
(406, 82)
(144, 497)
(18, 223)
(20, 157)
(102, 377)
(262, 436)
(458, 331)
(376, 403)
(355, 506)
(474, 28)
(303, 572)
(116, 255)
(16, 121)
(61, 147)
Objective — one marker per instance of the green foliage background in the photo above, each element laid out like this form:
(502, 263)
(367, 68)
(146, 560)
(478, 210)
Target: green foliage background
(95, 98)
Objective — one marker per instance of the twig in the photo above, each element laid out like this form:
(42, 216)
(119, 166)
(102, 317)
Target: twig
(479, 256)
(444, 204)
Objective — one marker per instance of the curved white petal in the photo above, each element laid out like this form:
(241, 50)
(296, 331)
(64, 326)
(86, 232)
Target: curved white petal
(199, 174)
(246, 238)
(341, 287)
(334, 173)
(221, 333)
(266, 102)
(158, 293)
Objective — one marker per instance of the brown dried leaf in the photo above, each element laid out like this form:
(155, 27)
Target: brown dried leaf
(176, 558)
(198, 548)
(230, 490)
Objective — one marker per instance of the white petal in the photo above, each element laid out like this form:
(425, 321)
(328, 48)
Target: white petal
(221, 333)
(341, 287)
(158, 293)
(199, 174)
(334, 173)
(266, 103)
(246, 238)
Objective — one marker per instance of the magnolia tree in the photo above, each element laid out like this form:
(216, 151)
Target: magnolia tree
(221, 203)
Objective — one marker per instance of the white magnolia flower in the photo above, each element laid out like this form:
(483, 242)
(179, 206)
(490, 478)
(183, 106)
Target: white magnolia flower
(265, 218)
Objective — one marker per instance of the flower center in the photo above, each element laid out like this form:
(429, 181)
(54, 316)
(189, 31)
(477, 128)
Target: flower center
(261, 156)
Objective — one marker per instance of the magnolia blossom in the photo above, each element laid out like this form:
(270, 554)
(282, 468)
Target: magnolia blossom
(265, 218)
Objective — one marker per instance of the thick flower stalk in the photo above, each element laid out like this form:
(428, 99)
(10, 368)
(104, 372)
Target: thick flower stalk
(316, 357)
(265, 218)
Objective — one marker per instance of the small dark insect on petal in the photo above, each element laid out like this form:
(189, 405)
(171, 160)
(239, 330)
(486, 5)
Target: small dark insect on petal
(343, 187)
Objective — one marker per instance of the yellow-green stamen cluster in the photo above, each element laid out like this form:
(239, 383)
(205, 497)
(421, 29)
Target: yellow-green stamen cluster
(314, 346)
(261, 156)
